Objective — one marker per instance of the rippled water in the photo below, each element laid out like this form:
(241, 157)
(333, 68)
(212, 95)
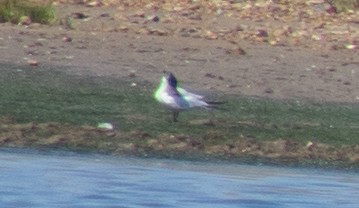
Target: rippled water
(29, 179)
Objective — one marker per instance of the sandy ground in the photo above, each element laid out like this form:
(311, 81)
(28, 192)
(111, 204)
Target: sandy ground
(104, 44)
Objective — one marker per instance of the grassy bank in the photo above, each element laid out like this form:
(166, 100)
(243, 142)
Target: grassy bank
(49, 102)
(21, 11)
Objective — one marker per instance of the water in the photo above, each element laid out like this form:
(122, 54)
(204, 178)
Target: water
(29, 179)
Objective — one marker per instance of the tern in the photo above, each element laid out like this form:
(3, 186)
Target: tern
(177, 99)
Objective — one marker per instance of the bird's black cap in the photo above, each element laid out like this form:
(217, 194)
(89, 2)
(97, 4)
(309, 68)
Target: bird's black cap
(172, 81)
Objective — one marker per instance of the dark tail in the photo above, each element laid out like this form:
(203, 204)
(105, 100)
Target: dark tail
(216, 105)
(215, 102)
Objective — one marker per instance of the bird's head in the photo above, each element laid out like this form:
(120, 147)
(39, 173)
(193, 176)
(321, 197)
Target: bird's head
(171, 79)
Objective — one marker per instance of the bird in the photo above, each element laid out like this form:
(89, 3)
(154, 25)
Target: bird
(176, 99)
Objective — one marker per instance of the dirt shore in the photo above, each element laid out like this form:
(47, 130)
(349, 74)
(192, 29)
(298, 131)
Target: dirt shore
(206, 50)
(210, 48)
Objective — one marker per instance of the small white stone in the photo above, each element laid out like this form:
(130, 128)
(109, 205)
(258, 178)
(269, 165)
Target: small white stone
(108, 126)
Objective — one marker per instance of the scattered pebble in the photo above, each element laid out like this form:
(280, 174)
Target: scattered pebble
(236, 51)
(105, 15)
(79, 15)
(350, 46)
(107, 126)
(67, 39)
(210, 75)
(153, 18)
(139, 13)
(156, 31)
(210, 35)
(96, 3)
(32, 62)
(309, 144)
(269, 91)
(262, 33)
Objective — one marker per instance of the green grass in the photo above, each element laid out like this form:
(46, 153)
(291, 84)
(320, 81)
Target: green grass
(49, 95)
(323, 122)
(14, 10)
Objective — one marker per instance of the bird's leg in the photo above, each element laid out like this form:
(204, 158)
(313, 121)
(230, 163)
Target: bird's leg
(175, 115)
